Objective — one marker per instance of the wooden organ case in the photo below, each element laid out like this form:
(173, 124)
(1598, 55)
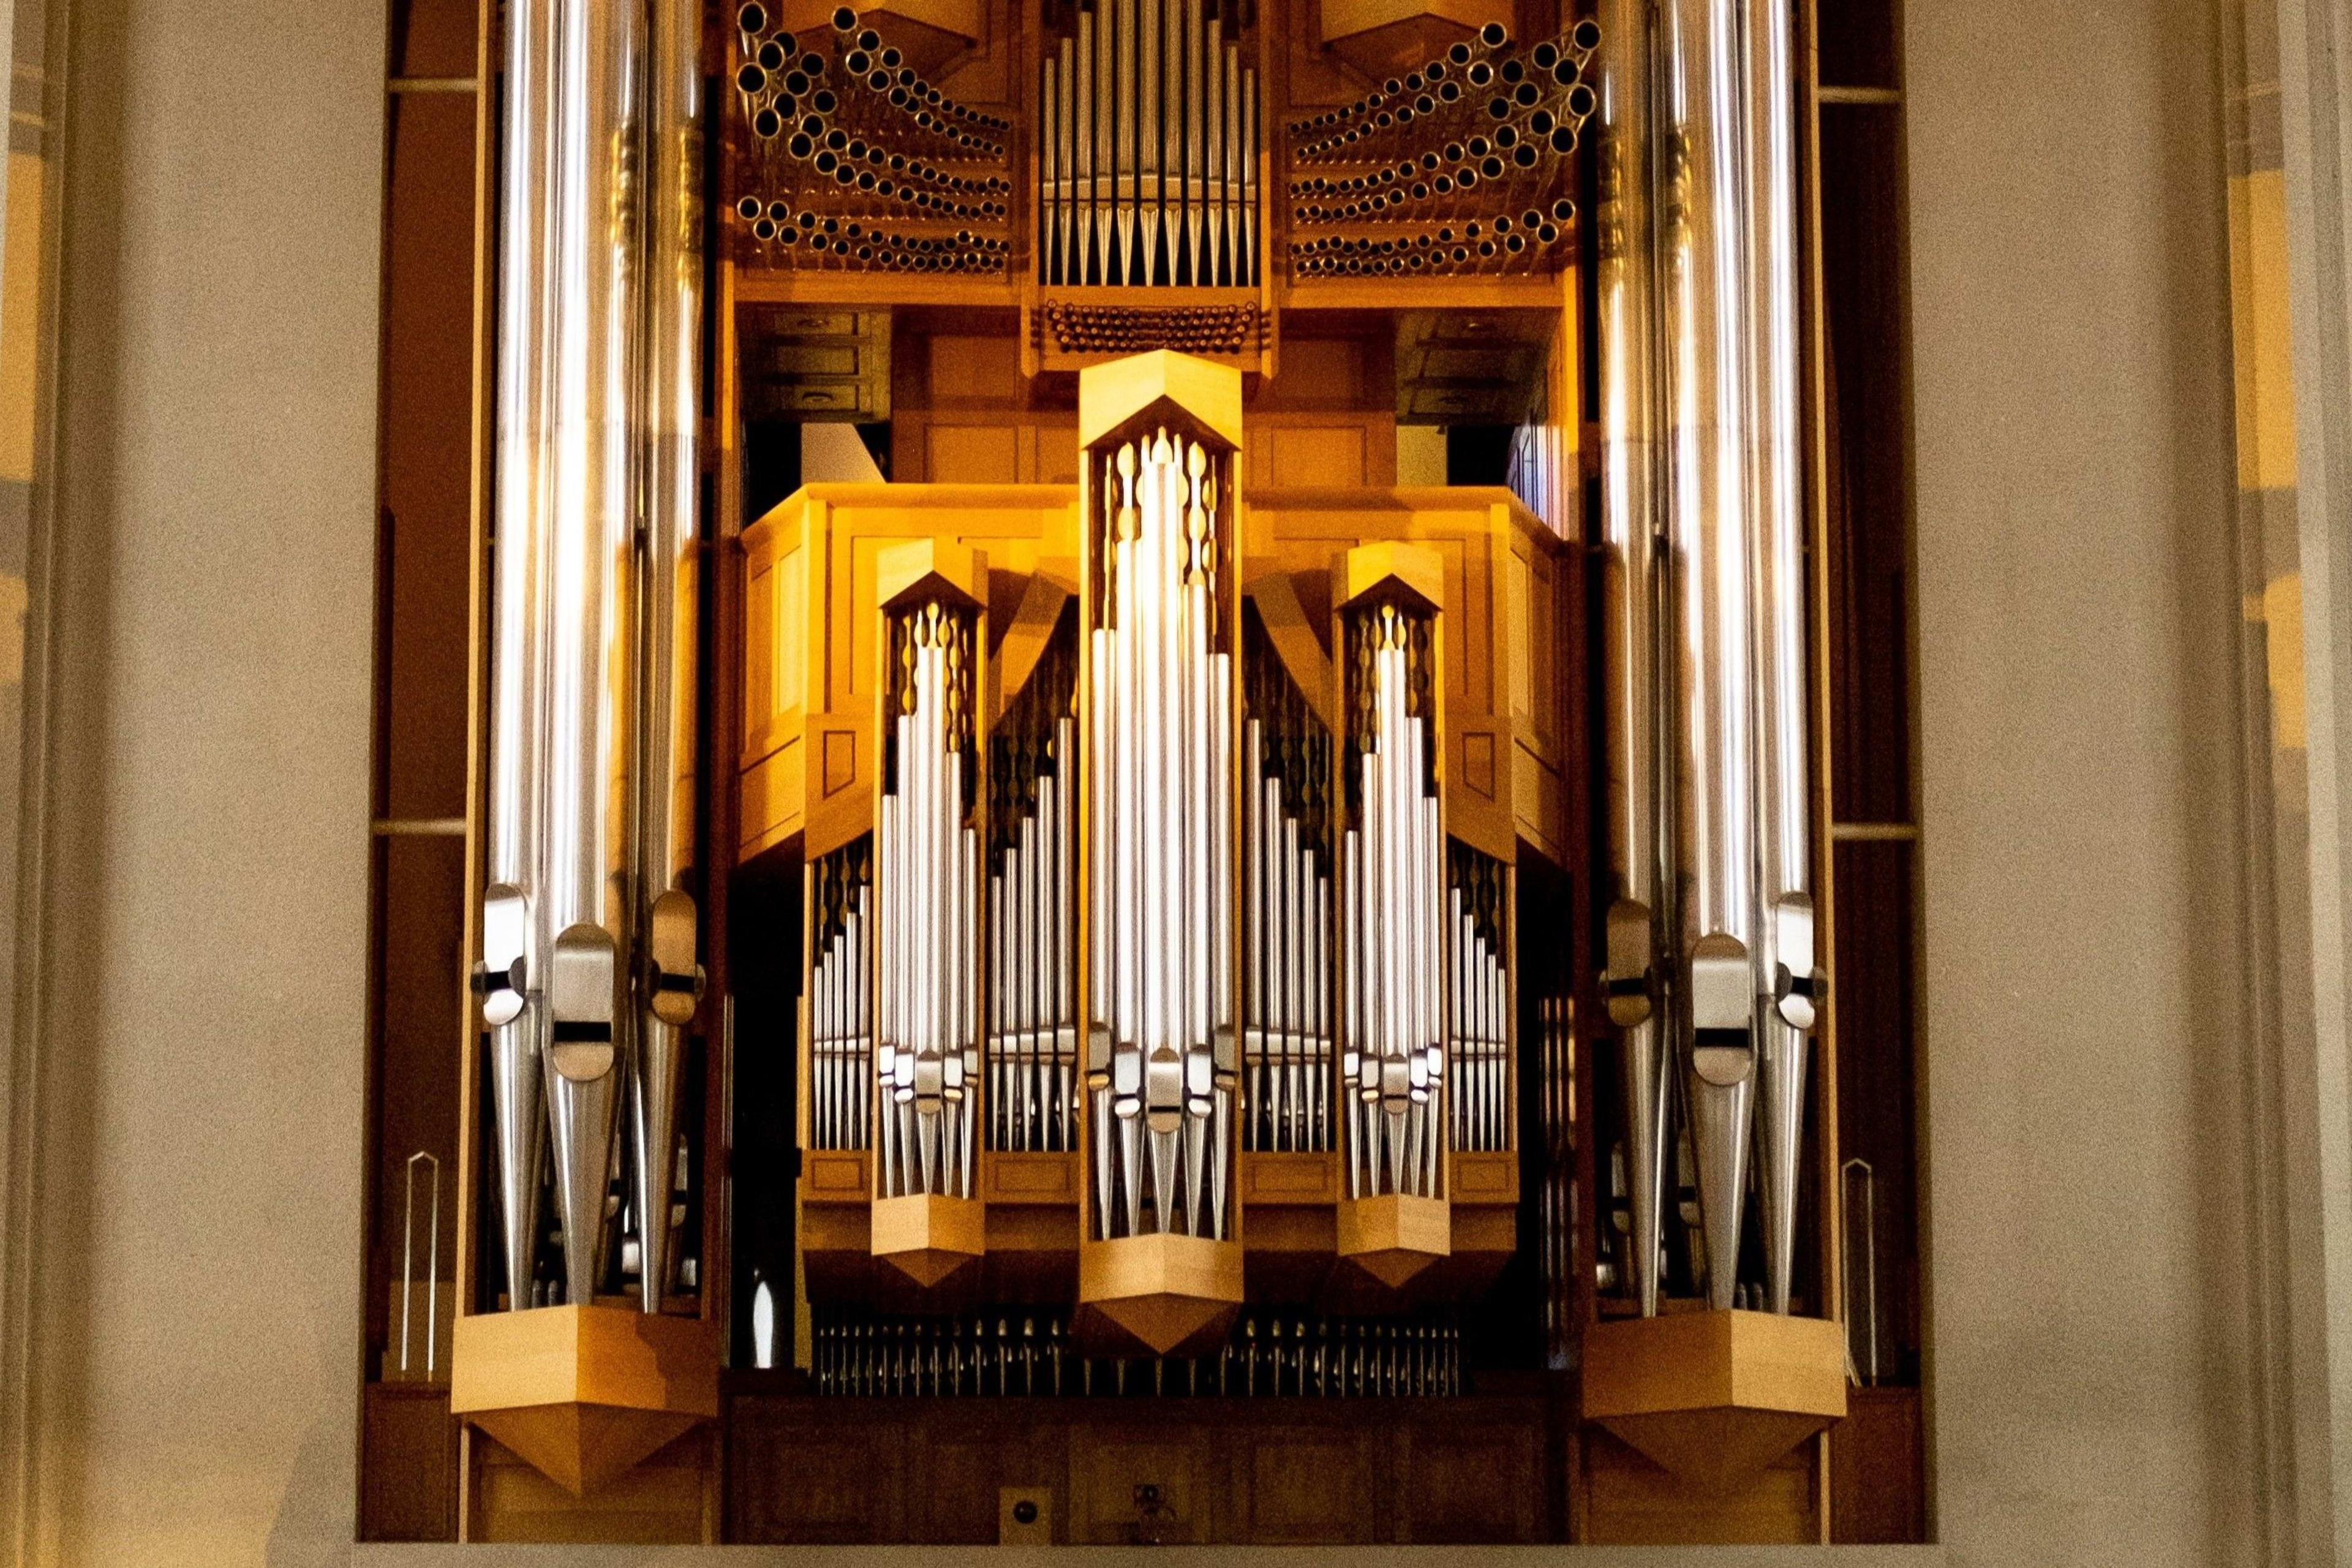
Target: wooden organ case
(1156, 1073)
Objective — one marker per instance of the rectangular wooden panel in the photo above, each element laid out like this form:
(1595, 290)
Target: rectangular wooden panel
(660, 1502)
(1630, 1501)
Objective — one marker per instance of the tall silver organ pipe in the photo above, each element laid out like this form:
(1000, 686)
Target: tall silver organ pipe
(1032, 1002)
(1393, 902)
(667, 605)
(1478, 893)
(841, 1014)
(1288, 990)
(1161, 1068)
(1636, 701)
(927, 845)
(1707, 691)
(1147, 153)
(588, 939)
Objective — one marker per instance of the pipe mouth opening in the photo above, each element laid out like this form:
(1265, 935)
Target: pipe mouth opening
(753, 19)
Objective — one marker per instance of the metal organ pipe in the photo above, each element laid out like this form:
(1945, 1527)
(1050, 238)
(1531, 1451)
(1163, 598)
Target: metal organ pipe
(1391, 858)
(1033, 1012)
(1635, 701)
(1710, 790)
(926, 885)
(1162, 169)
(1287, 891)
(1160, 1066)
(588, 940)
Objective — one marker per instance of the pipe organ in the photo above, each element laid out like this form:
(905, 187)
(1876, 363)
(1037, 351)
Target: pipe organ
(1152, 942)
(1147, 141)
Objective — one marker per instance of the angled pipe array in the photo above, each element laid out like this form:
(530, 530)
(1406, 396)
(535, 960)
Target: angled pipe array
(1710, 948)
(588, 977)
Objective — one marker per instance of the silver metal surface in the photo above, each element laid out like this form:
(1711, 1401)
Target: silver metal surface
(588, 970)
(1706, 699)
(1161, 159)
(1395, 915)
(1157, 908)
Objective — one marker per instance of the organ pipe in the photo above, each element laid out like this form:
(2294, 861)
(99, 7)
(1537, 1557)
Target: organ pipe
(1032, 1066)
(1147, 156)
(1393, 902)
(841, 1028)
(926, 853)
(1160, 1069)
(1479, 977)
(1710, 790)
(587, 974)
(1287, 894)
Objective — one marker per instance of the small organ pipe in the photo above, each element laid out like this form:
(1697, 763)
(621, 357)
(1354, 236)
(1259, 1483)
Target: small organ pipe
(1156, 117)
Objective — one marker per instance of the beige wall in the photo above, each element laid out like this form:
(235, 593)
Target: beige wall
(203, 1146)
(208, 946)
(2076, 590)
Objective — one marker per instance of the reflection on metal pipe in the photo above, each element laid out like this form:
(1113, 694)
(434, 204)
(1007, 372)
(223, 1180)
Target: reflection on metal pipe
(1706, 696)
(841, 1037)
(1033, 1037)
(927, 897)
(1478, 900)
(669, 592)
(1163, 164)
(1394, 1055)
(1286, 980)
(588, 941)
(1161, 1068)
(1635, 701)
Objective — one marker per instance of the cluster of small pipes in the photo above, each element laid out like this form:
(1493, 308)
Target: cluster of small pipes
(1033, 1034)
(1148, 150)
(1456, 167)
(1286, 1048)
(1124, 329)
(844, 132)
(1266, 1356)
(1480, 1084)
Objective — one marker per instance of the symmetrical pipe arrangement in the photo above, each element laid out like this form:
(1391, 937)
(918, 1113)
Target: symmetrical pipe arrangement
(1393, 902)
(1148, 139)
(1160, 1069)
(588, 976)
(841, 1013)
(1032, 884)
(1287, 1000)
(927, 872)
(1710, 961)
